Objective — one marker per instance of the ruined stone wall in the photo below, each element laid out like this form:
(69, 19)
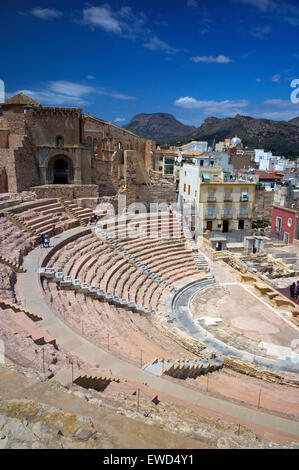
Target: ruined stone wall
(111, 137)
(263, 205)
(46, 124)
(253, 370)
(13, 119)
(66, 191)
(4, 133)
(26, 165)
(9, 182)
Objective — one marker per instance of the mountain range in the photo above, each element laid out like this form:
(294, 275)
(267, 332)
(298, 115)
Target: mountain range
(280, 137)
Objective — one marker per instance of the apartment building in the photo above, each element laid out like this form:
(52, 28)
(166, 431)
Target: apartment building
(224, 203)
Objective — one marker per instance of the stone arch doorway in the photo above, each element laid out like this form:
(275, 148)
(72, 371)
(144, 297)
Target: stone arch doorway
(60, 170)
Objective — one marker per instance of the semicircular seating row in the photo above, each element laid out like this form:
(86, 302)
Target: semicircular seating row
(94, 261)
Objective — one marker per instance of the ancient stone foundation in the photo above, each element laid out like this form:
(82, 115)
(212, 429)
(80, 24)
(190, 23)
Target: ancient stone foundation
(66, 191)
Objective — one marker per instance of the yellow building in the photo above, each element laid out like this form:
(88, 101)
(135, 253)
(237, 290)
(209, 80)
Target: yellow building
(223, 203)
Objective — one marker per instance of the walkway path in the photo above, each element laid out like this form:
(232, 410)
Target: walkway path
(29, 291)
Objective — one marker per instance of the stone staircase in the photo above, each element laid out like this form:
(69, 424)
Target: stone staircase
(200, 262)
(66, 282)
(5, 304)
(86, 379)
(19, 222)
(131, 259)
(15, 266)
(80, 213)
(184, 369)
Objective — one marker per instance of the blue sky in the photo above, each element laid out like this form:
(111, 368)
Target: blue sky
(190, 58)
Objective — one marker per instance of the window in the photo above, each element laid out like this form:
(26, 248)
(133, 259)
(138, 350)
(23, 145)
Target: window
(278, 224)
(59, 141)
(184, 187)
(243, 210)
(195, 193)
(244, 195)
(88, 141)
(189, 189)
(228, 195)
(286, 237)
(95, 144)
(226, 211)
(201, 162)
(210, 212)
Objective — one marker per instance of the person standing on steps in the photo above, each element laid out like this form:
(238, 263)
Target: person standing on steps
(53, 230)
(46, 241)
(292, 290)
(41, 240)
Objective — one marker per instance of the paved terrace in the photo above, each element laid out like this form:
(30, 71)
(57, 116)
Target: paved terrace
(30, 293)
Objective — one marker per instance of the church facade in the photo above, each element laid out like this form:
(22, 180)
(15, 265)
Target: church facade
(45, 146)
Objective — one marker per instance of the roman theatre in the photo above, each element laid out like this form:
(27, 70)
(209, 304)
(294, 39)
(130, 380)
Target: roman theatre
(105, 312)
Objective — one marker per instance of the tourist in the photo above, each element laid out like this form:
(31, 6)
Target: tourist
(297, 291)
(90, 220)
(41, 240)
(96, 218)
(292, 290)
(46, 241)
(53, 230)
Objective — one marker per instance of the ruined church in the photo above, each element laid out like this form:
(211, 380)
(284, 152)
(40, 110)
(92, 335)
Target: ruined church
(60, 152)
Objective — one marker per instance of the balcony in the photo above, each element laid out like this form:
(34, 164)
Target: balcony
(226, 215)
(209, 216)
(244, 198)
(211, 199)
(243, 215)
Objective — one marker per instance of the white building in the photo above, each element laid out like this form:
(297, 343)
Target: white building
(194, 146)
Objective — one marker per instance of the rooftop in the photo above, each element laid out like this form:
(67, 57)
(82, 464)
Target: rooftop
(21, 99)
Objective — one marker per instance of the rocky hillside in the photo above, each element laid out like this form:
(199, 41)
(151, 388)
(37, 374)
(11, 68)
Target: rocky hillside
(281, 137)
(158, 126)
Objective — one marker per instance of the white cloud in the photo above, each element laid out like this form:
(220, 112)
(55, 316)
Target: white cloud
(64, 93)
(123, 21)
(155, 44)
(119, 119)
(50, 98)
(284, 10)
(102, 17)
(277, 109)
(260, 32)
(70, 88)
(192, 3)
(90, 77)
(46, 13)
(275, 78)
(220, 59)
(209, 107)
(262, 5)
(258, 80)
(126, 24)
